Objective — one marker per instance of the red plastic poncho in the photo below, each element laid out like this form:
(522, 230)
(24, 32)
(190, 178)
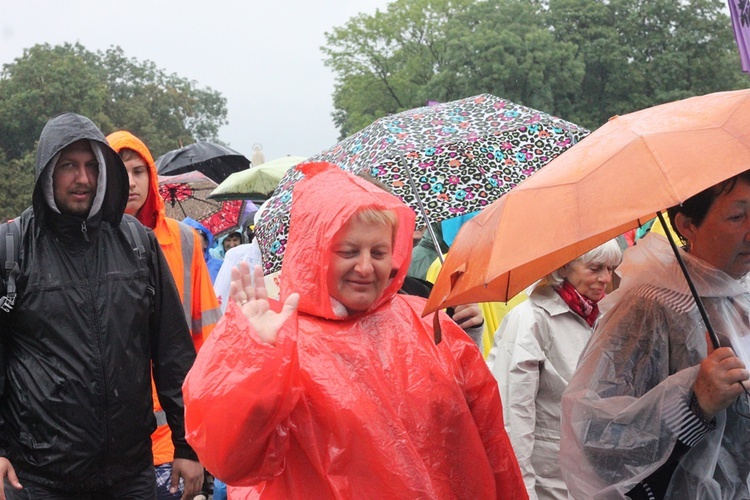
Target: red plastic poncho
(357, 407)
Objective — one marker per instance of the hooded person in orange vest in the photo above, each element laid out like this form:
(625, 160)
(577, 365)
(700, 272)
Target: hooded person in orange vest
(182, 248)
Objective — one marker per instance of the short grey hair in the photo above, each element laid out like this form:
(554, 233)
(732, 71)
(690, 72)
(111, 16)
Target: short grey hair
(608, 254)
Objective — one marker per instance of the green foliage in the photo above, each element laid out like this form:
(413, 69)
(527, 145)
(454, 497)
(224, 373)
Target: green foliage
(166, 111)
(43, 83)
(116, 92)
(583, 60)
(384, 61)
(18, 185)
(506, 49)
(639, 53)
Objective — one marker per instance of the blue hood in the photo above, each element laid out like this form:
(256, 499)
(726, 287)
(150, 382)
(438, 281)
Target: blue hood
(203, 229)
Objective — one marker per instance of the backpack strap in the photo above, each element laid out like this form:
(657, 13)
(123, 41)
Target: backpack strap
(138, 238)
(10, 241)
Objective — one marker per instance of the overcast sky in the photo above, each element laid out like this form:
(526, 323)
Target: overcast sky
(263, 56)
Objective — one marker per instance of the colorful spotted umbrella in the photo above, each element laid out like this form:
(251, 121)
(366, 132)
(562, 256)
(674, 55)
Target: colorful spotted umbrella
(185, 195)
(443, 160)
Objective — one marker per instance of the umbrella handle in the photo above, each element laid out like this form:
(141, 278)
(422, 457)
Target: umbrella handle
(693, 291)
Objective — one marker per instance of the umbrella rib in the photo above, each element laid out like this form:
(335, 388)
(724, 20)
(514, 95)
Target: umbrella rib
(641, 139)
(182, 208)
(731, 115)
(657, 161)
(201, 200)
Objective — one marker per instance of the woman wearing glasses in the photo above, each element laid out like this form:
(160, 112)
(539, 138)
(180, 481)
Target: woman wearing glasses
(653, 411)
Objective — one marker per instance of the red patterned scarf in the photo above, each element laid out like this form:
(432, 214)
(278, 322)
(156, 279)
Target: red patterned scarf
(582, 306)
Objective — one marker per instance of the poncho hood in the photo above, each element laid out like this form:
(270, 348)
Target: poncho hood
(60, 132)
(152, 212)
(323, 202)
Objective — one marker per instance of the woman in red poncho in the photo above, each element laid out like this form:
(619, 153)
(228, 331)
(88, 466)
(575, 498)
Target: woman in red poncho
(343, 393)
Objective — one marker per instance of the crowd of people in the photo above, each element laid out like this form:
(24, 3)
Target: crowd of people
(138, 357)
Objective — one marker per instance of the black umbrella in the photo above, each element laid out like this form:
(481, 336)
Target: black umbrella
(215, 161)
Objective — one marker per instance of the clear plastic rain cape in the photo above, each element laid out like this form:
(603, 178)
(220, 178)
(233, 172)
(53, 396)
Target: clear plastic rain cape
(625, 407)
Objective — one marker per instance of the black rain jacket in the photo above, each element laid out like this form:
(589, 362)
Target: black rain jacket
(90, 319)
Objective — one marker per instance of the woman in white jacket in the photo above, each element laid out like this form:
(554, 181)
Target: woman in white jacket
(534, 355)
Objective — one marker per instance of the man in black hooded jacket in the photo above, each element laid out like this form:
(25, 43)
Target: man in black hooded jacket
(96, 310)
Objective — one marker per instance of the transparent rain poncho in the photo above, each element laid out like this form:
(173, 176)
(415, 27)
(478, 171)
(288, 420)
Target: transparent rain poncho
(627, 403)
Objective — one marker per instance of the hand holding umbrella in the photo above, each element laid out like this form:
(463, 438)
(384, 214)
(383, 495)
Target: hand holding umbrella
(721, 380)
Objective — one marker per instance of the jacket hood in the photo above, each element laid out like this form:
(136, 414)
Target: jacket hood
(315, 218)
(152, 212)
(203, 229)
(62, 131)
(217, 252)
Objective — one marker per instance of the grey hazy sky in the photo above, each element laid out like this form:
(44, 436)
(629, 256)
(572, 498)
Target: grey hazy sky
(262, 55)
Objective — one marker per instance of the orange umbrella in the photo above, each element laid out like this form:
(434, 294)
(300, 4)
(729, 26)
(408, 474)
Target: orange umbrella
(614, 180)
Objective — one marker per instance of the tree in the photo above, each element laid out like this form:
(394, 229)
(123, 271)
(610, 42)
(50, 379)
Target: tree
(164, 110)
(116, 92)
(505, 48)
(582, 60)
(18, 185)
(639, 53)
(383, 62)
(45, 82)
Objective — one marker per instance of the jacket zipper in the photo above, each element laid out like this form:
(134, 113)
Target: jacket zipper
(97, 332)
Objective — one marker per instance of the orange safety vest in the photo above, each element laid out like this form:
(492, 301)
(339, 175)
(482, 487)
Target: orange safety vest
(183, 254)
(182, 249)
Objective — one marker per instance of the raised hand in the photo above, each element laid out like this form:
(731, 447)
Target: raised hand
(249, 291)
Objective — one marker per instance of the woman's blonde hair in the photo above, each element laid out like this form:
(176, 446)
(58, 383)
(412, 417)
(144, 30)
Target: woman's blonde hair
(372, 215)
(379, 216)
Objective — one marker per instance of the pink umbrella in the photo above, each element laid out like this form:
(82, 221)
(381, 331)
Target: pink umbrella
(185, 195)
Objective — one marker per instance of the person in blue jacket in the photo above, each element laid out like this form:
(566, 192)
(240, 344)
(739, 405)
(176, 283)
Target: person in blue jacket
(212, 263)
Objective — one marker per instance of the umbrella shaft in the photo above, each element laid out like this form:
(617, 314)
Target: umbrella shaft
(693, 291)
(421, 209)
